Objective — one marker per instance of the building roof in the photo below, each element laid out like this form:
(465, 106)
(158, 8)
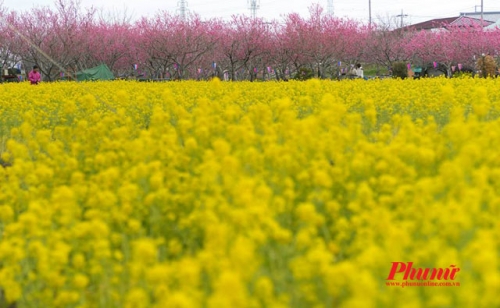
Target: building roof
(491, 16)
(433, 23)
(494, 25)
(461, 21)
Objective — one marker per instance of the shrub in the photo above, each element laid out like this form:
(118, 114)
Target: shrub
(399, 70)
(487, 66)
(304, 73)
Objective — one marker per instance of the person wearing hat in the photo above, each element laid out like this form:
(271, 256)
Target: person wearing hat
(34, 76)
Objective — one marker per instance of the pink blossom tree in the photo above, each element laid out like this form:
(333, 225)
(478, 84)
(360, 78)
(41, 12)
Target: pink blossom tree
(174, 45)
(242, 43)
(53, 39)
(115, 46)
(9, 42)
(321, 41)
(72, 38)
(385, 45)
(452, 45)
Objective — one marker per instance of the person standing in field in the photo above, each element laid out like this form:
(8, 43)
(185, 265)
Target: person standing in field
(34, 76)
(359, 71)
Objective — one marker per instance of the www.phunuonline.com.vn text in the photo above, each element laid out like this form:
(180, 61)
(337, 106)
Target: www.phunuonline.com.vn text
(404, 284)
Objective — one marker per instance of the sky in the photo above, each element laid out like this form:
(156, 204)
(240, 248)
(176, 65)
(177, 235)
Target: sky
(387, 10)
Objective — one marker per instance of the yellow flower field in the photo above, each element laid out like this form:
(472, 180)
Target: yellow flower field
(214, 194)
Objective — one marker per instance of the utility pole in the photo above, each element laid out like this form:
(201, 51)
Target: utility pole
(402, 16)
(370, 13)
(330, 7)
(482, 13)
(254, 6)
(182, 8)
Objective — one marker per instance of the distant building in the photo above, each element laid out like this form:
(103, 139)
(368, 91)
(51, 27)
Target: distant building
(489, 16)
(442, 23)
(494, 26)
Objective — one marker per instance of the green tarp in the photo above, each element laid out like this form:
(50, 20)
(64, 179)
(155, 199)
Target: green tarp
(101, 72)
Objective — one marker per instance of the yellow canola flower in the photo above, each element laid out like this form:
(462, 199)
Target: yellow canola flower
(221, 194)
(144, 251)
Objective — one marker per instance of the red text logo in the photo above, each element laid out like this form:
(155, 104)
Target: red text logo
(411, 273)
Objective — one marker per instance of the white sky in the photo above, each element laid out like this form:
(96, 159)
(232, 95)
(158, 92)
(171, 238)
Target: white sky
(417, 10)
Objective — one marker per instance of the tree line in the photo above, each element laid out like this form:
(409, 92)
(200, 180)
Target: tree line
(69, 38)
